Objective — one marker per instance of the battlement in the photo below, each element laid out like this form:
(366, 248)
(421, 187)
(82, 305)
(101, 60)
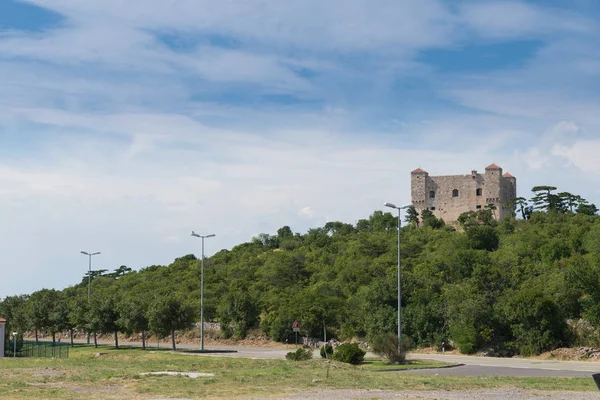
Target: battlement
(448, 196)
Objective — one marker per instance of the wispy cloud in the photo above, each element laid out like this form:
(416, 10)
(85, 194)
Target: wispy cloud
(125, 125)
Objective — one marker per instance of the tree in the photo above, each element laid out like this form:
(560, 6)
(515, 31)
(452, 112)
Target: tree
(122, 270)
(14, 309)
(39, 306)
(133, 315)
(58, 314)
(237, 309)
(104, 316)
(545, 200)
(412, 216)
(285, 232)
(524, 207)
(483, 238)
(429, 219)
(492, 208)
(587, 209)
(168, 314)
(79, 312)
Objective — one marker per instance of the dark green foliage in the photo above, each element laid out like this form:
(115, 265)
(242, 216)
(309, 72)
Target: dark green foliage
(386, 345)
(236, 311)
(509, 285)
(168, 314)
(326, 350)
(348, 353)
(535, 320)
(301, 354)
(483, 238)
(412, 216)
(431, 220)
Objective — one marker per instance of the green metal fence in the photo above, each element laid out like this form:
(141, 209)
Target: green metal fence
(37, 350)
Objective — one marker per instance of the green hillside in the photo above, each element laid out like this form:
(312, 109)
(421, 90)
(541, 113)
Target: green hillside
(509, 286)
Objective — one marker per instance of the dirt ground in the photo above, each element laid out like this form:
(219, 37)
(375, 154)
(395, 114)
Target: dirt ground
(496, 394)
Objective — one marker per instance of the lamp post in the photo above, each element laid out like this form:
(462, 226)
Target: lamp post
(202, 290)
(14, 344)
(399, 276)
(90, 255)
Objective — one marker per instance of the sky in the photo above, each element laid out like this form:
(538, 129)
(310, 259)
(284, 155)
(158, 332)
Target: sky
(126, 124)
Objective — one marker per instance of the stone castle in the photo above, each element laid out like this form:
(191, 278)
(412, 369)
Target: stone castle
(449, 196)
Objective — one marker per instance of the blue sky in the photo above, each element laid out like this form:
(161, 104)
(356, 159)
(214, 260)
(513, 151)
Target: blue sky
(125, 125)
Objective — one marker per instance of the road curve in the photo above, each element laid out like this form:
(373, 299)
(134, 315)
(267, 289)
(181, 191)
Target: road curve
(468, 365)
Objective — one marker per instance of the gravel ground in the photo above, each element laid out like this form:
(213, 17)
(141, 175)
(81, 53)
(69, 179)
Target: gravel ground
(496, 394)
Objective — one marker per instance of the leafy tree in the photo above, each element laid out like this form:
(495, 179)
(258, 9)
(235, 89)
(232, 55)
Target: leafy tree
(13, 309)
(524, 207)
(122, 270)
(237, 309)
(587, 209)
(492, 208)
(133, 315)
(39, 305)
(483, 238)
(431, 220)
(412, 216)
(545, 200)
(104, 316)
(168, 314)
(284, 233)
(534, 319)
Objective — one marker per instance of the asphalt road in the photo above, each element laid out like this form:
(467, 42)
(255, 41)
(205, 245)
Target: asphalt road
(468, 365)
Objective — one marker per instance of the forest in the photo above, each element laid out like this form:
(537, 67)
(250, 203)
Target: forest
(523, 285)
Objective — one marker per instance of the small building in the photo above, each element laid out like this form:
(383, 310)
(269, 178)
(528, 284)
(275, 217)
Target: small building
(449, 196)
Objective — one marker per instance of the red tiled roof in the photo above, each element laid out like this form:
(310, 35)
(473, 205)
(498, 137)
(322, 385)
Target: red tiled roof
(418, 171)
(2, 320)
(508, 175)
(492, 166)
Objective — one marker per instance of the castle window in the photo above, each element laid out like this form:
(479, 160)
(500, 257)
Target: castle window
(479, 192)
(432, 194)
(432, 208)
(478, 207)
(455, 193)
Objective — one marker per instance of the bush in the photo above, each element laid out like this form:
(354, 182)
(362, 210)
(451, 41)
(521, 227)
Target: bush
(302, 354)
(326, 350)
(348, 353)
(386, 345)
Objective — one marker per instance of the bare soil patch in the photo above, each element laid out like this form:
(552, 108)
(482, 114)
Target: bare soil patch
(495, 394)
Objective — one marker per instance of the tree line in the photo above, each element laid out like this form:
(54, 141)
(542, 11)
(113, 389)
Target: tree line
(512, 286)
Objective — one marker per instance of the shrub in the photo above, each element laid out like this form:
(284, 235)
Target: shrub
(386, 345)
(326, 350)
(302, 354)
(348, 353)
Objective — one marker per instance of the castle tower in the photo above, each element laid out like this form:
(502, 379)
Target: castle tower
(418, 189)
(493, 177)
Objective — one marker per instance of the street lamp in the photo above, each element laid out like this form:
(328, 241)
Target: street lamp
(202, 290)
(399, 280)
(14, 344)
(89, 280)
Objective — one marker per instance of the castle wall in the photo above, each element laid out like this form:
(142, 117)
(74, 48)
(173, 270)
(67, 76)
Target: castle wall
(475, 191)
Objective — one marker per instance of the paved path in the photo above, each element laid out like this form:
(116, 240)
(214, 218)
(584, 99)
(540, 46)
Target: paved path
(469, 365)
(495, 366)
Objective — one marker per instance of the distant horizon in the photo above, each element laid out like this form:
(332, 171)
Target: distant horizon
(122, 129)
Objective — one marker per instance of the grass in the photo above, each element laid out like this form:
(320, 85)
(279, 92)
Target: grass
(117, 374)
(376, 364)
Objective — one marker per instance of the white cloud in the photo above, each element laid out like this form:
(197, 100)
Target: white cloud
(507, 18)
(112, 140)
(307, 212)
(583, 154)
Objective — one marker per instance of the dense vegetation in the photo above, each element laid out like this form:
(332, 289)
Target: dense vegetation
(511, 286)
